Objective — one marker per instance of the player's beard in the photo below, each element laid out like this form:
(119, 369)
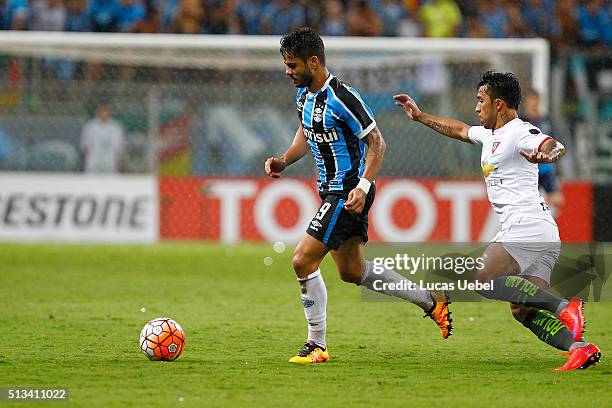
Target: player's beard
(305, 79)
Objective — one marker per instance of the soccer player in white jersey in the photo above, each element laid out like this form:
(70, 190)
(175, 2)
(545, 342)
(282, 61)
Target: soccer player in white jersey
(520, 259)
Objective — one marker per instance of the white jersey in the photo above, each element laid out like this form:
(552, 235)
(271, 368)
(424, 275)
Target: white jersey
(512, 181)
(102, 143)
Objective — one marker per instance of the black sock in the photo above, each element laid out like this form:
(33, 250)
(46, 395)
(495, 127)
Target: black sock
(549, 329)
(520, 291)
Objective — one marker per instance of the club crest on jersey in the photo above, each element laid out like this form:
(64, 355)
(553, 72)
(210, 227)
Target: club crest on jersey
(495, 146)
(325, 137)
(487, 168)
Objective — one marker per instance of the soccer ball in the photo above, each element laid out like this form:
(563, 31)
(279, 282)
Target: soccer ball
(162, 339)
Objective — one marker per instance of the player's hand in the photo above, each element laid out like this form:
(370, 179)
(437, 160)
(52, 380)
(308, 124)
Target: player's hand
(537, 156)
(356, 201)
(274, 167)
(408, 105)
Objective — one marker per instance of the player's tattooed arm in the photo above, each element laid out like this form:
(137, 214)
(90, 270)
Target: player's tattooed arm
(448, 127)
(373, 162)
(550, 152)
(274, 166)
(374, 156)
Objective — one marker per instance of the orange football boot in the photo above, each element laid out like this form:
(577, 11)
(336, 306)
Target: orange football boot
(440, 313)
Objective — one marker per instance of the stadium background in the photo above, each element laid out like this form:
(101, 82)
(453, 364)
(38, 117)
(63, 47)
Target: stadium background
(194, 117)
(199, 121)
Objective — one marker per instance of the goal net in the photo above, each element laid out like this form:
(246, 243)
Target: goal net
(219, 105)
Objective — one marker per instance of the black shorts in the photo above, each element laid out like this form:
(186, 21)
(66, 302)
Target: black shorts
(333, 224)
(548, 182)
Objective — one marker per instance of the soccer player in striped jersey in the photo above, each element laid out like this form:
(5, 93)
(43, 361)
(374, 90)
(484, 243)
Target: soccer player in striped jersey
(339, 128)
(520, 259)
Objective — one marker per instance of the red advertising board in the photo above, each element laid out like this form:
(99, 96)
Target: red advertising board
(405, 210)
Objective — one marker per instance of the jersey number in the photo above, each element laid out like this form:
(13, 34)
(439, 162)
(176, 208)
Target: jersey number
(322, 211)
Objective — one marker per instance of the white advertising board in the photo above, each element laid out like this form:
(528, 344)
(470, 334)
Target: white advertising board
(78, 208)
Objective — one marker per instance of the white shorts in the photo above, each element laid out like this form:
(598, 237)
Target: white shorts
(534, 244)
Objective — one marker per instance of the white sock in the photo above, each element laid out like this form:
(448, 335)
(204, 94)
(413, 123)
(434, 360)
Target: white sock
(314, 300)
(373, 281)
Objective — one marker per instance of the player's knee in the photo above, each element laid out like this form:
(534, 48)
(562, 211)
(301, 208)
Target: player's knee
(482, 275)
(518, 312)
(302, 265)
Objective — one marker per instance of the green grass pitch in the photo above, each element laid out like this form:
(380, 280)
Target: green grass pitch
(71, 317)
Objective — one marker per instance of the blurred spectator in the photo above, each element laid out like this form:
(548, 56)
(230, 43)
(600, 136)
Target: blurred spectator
(441, 18)
(517, 27)
(102, 143)
(281, 16)
(392, 12)
(104, 15)
(222, 18)
(151, 22)
(494, 18)
(189, 17)
(567, 12)
(167, 13)
(468, 8)
(412, 5)
(249, 16)
(540, 16)
(77, 18)
(131, 13)
(409, 26)
(547, 178)
(333, 22)
(595, 23)
(48, 15)
(15, 14)
(312, 13)
(361, 20)
(474, 28)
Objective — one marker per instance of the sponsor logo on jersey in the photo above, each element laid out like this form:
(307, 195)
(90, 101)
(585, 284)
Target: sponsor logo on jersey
(495, 146)
(494, 182)
(487, 168)
(325, 137)
(317, 116)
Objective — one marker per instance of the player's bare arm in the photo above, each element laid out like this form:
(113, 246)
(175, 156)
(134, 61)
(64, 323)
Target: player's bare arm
(274, 166)
(448, 127)
(373, 162)
(550, 152)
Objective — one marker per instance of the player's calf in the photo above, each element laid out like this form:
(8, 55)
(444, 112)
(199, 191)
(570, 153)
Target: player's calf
(351, 273)
(547, 327)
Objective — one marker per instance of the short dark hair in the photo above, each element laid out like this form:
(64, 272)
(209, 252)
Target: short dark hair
(303, 43)
(502, 85)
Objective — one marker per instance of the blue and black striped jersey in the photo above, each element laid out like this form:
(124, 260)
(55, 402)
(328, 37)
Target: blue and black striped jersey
(335, 119)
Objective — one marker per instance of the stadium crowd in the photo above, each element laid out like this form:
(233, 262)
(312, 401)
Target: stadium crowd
(585, 23)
